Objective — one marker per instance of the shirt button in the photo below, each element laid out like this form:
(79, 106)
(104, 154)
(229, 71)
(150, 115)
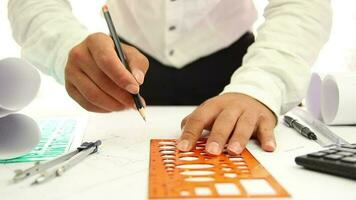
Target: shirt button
(172, 28)
(171, 52)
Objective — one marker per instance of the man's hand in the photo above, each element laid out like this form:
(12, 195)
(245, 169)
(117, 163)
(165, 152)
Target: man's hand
(97, 80)
(232, 118)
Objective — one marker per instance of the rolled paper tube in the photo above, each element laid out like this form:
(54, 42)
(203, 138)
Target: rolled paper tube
(313, 98)
(18, 135)
(19, 84)
(338, 99)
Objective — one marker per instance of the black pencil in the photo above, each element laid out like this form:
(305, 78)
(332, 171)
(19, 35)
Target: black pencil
(120, 53)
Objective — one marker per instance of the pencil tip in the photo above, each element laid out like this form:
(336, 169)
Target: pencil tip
(105, 8)
(142, 113)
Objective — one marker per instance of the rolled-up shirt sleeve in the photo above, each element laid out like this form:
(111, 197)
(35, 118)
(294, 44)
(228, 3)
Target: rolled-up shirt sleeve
(46, 31)
(276, 68)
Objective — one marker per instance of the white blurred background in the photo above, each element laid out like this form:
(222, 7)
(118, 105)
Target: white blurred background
(338, 55)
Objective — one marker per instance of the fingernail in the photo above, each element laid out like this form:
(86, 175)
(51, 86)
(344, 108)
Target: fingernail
(270, 146)
(235, 148)
(139, 76)
(133, 89)
(213, 148)
(183, 145)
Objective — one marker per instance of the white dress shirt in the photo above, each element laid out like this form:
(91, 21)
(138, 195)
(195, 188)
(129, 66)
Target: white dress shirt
(180, 31)
(275, 70)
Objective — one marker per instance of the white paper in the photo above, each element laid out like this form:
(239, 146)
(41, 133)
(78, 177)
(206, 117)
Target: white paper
(338, 99)
(19, 84)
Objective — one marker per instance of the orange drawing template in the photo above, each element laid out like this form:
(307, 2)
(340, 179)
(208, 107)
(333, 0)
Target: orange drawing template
(198, 175)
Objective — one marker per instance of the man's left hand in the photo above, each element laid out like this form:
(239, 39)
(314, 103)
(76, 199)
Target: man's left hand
(232, 119)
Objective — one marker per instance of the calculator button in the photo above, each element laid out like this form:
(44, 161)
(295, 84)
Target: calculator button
(347, 149)
(349, 146)
(333, 157)
(349, 159)
(317, 154)
(329, 151)
(344, 153)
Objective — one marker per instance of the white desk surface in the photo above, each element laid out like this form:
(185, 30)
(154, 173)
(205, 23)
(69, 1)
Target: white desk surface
(120, 169)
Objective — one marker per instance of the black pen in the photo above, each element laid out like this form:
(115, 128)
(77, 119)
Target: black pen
(303, 130)
(120, 53)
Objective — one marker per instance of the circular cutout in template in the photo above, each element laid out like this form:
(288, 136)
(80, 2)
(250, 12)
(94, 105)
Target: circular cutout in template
(188, 158)
(186, 153)
(168, 156)
(167, 143)
(165, 152)
(167, 147)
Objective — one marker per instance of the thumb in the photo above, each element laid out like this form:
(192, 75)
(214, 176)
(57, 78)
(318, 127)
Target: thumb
(137, 62)
(138, 74)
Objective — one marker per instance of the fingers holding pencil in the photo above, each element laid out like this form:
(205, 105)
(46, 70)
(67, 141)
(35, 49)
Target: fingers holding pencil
(107, 68)
(120, 53)
(86, 62)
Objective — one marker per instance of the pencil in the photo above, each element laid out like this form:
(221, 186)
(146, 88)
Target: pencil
(120, 53)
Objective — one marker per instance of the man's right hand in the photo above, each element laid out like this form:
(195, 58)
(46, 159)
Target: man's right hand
(97, 80)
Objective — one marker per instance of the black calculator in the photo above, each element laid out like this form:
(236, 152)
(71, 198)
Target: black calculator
(340, 161)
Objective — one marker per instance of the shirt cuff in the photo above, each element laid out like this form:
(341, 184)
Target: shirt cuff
(262, 89)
